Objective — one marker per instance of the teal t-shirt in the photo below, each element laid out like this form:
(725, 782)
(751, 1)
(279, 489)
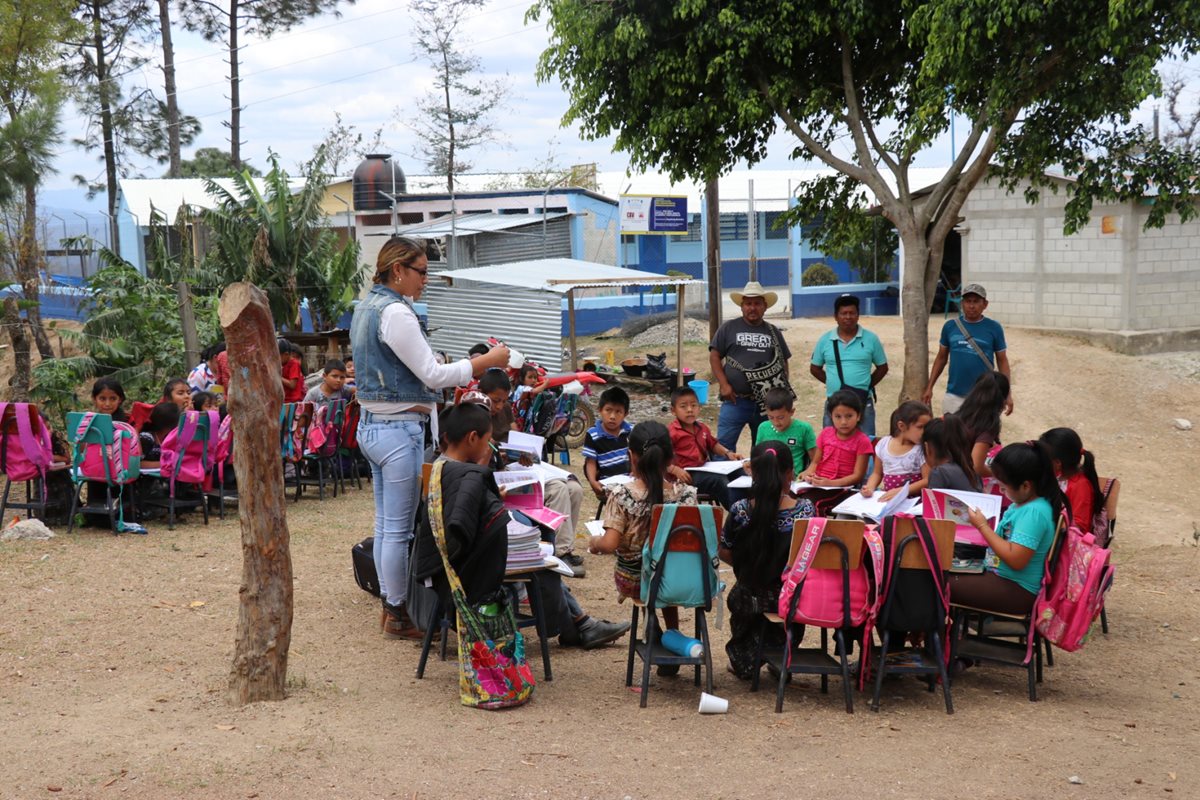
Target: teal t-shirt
(864, 352)
(798, 437)
(965, 364)
(1029, 525)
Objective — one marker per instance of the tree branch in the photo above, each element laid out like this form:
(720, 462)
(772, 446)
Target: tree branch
(856, 121)
(815, 147)
(947, 217)
(950, 178)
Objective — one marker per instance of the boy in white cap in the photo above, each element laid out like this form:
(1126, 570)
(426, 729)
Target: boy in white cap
(973, 344)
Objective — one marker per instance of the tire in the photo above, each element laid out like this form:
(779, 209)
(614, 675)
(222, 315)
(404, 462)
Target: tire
(583, 418)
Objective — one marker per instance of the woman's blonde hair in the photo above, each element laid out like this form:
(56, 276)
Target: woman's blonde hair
(397, 250)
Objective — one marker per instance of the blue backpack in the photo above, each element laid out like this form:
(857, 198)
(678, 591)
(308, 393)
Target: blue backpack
(681, 555)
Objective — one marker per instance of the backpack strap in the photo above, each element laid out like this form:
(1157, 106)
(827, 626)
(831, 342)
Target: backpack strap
(38, 454)
(184, 434)
(287, 418)
(974, 345)
(661, 534)
(79, 450)
(210, 446)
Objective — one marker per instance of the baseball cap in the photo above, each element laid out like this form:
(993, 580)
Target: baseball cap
(974, 288)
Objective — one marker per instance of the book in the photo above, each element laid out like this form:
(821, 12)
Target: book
(954, 504)
(617, 480)
(524, 546)
(521, 442)
(595, 527)
(718, 467)
(874, 507)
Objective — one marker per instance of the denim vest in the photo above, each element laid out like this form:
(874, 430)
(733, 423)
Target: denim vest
(379, 374)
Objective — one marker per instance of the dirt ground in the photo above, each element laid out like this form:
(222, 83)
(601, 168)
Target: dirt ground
(114, 655)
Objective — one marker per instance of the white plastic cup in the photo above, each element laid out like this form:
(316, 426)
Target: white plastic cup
(515, 358)
(711, 704)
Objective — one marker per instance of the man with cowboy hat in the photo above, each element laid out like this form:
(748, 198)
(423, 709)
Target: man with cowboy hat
(748, 357)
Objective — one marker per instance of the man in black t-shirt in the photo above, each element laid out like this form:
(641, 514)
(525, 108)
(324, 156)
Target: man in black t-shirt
(751, 345)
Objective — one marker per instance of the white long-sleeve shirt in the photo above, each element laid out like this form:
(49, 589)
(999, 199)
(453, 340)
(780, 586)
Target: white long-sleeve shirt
(400, 330)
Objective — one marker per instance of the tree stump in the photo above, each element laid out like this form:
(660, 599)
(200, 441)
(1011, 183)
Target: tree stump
(255, 393)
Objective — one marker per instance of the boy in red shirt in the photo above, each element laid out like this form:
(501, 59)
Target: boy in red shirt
(695, 445)
(293, 373)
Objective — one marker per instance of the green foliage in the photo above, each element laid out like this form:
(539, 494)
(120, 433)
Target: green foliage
(212, 162)
(132, 332)
(266, 233)
(819, 275)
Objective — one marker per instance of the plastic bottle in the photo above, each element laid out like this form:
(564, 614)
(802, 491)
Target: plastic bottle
(682, 645)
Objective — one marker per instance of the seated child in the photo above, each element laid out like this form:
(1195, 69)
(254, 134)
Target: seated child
(529, 385)
(606, 444)
(332, 386)
(108, 398)
(756, 540)
(204, 401)
(980, 413)
(1017, 549)
(782, 426)
(476, 524)
(899, 458)
(178, 392)
(203, 376)
(164, 418)
(562, 495)
(948, 455)
(350, 386)
(842, 450)
(694, 445)
(1076, 471)
(292, 373)
(628, 510)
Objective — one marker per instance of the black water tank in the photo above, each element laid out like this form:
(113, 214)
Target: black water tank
(377, 173)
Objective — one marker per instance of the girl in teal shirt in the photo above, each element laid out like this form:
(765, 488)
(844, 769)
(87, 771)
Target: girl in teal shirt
(1018, 548)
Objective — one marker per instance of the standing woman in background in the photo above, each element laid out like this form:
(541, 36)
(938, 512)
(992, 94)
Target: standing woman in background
(398, 375)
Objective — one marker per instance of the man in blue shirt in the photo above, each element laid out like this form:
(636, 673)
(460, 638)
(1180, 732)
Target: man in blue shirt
(858, 350)
(973, 345)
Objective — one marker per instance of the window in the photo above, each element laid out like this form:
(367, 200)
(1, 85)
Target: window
(694, 230)
(734, 227)
(766, 226)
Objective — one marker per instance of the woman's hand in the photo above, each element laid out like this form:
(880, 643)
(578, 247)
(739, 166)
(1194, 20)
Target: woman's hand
(680, 474)
(497, 356)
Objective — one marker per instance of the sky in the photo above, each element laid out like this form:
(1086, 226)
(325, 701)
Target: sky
(363, 64)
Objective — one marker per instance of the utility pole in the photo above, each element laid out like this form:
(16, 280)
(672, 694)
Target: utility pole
(752, 235)
(712, 220)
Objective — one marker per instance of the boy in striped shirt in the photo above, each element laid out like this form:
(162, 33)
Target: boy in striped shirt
(606, 444)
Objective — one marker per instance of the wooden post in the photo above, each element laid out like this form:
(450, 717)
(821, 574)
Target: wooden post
(264, 629)
(712, 213)
(679, 334)
(571, 329)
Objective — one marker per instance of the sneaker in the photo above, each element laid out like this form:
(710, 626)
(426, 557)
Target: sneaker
(596, 632)
(575, 562)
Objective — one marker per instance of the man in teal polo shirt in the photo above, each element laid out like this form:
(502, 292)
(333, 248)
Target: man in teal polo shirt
(858, 351)
(973, 344)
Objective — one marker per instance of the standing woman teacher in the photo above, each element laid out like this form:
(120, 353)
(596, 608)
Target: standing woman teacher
(397, 375)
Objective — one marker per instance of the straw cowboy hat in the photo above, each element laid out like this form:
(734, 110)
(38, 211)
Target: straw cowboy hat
(754, 289)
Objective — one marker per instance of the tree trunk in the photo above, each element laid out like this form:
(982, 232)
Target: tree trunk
(235, 90)
(22, 368)
(173, 146)
(104, 93)
(264, 629)
(28, 262)
(916, 301)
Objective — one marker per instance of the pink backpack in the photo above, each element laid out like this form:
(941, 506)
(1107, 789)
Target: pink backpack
(223, 452)
(25, 453)
(321, 438)
(185, 457)
(1073, 596)
(815, 597)
(117, 461)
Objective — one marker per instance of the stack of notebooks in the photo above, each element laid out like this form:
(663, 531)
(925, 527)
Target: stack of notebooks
(524, 551)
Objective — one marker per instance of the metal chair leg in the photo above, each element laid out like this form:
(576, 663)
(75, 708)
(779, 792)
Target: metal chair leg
(651, 629)
(633, 629)
(539, 625)
(880, 669)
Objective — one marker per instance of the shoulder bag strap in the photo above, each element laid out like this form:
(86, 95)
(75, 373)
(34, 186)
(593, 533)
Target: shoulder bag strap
(837, 358)
(437, 524)
(971, 341)
(794, 575)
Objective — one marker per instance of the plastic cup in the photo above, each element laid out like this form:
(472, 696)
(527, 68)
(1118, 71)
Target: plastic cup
(515, 358)
(701, 390)
(711, 704)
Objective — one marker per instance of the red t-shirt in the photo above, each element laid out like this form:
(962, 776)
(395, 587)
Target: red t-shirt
(292, 371)
(692, 448)
(1081, 500)
(838, 456)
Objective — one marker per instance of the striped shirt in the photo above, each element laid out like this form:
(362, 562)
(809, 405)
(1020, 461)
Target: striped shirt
(611, 453)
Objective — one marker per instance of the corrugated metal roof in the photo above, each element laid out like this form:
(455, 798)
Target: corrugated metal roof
(471, 224)
(561, 275)
(529, 320)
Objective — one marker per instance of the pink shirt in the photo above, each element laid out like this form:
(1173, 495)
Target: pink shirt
(839, 456)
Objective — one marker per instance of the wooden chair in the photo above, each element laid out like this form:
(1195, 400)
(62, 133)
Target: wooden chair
(1112, 493)
(841, 549)
(687, 535)
(1003, 648)
(909, 555)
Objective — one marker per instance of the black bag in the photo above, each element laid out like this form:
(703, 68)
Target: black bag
(657, 369)
(363, 556)
(915, 603)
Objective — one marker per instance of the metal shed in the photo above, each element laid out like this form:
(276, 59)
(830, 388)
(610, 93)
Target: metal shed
(521, 303)
(493, 238)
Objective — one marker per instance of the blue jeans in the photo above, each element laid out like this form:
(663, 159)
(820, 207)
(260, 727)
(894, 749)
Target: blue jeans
(866, 424)
(395, 450)
(736, 414)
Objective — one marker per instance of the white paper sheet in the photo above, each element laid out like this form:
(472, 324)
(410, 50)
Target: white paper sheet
(875, 508)
(618, 480)
(718, 467)
(595, 527)
(525, 443)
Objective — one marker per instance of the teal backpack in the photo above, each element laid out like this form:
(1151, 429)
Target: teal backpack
(679, 560)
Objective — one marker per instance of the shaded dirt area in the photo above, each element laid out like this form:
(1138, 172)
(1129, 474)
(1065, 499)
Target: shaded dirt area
(114, 654)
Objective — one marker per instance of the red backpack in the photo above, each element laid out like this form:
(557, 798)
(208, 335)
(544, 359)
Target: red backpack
(25, 451)
(1072, 595)
(349, 433)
